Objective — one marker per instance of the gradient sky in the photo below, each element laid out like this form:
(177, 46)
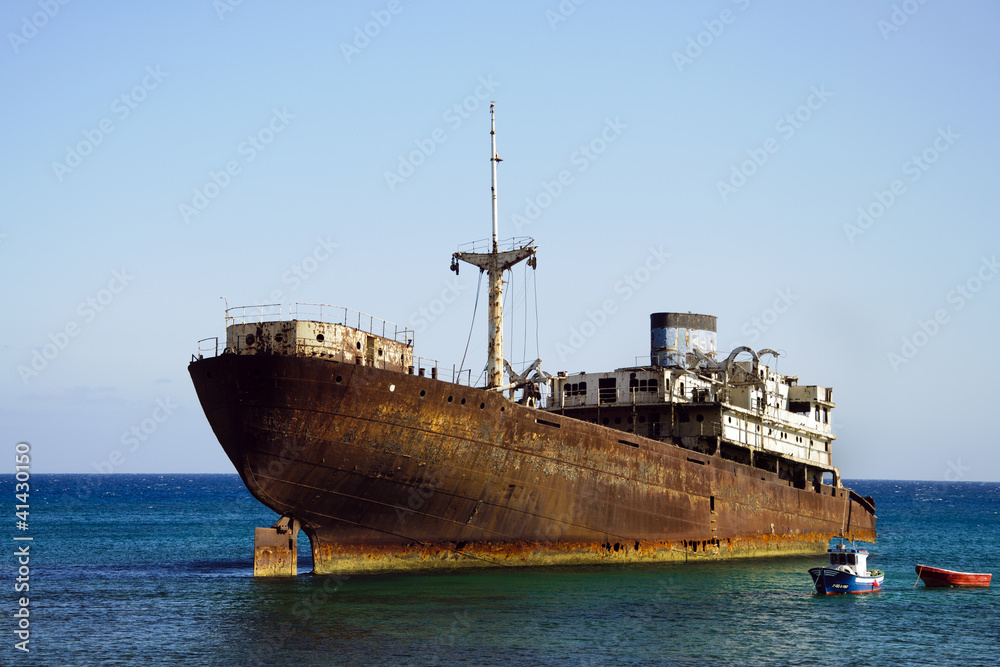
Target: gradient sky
(818, 173)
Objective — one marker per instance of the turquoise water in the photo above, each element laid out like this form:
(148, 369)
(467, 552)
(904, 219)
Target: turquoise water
(156, 570)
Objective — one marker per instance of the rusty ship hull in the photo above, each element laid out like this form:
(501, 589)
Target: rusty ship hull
(387, 470)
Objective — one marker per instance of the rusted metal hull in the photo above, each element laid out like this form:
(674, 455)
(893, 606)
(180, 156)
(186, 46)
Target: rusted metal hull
(390, 471)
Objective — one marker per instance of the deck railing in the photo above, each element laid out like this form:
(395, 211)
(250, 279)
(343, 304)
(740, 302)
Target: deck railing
(208, 347)
(318, 312)
(425, 367)
(486, 245)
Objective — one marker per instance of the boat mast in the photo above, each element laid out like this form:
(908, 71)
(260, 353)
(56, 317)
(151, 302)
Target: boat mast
(495, 262)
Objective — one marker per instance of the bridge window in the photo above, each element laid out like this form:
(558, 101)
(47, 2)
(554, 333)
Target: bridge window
(644, 385)
(607, 390)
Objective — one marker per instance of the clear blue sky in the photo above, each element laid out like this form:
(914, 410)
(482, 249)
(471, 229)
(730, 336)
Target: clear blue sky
(159, 156)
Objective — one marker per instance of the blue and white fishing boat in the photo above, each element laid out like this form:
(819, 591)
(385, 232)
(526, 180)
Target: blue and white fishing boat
(847, 572)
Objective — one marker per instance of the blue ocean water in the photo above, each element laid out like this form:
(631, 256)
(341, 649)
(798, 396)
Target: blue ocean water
(157, 570)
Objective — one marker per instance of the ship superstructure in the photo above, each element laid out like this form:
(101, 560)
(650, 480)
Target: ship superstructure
(738, 409)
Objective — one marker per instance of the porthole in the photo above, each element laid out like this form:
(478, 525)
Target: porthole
(359, 344)
(422, 393)
(278, 338)
(482, 406)
(320, 337)
(503, 409)
(699, 418)
(451, 398)
(250, 339)
(463, 401)
(339, 379)
(380, 352)
(392, 388)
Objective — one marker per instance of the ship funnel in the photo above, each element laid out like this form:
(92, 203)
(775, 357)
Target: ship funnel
(675, 337)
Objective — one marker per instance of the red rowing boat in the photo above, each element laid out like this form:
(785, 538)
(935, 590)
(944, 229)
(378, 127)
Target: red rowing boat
(935, 576)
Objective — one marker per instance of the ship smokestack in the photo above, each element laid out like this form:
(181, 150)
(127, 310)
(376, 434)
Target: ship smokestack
(675, 336)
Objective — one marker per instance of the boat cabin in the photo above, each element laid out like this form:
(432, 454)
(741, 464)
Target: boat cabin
(849, 559)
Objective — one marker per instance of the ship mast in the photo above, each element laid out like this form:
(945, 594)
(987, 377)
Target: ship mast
(494, 158)
(495, 262)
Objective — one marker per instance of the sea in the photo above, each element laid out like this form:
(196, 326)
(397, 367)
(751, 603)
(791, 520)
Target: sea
(158, 570)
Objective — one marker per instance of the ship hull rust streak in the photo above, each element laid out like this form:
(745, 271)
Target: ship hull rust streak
(388, 471)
